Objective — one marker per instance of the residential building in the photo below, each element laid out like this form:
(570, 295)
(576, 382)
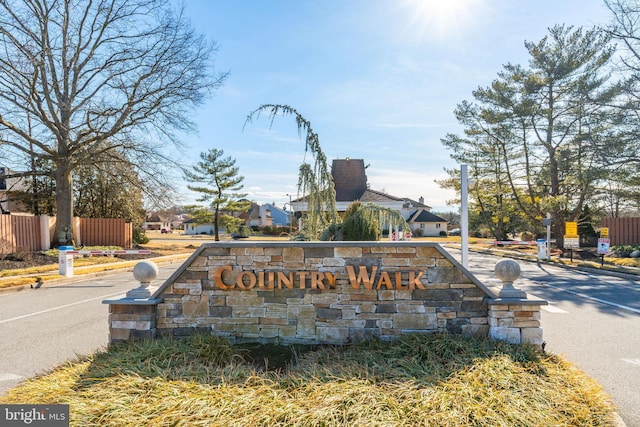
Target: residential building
(7, 185)
(424, 223)
(350, 182)
(267, 215)
(156, 222)
(191, 227)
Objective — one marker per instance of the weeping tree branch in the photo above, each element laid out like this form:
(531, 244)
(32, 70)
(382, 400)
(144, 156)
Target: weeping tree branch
(315, 181)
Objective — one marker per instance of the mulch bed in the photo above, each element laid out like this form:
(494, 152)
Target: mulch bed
(25, 260)
(35, 259)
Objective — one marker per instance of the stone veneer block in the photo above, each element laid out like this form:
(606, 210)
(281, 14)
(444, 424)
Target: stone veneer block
(116, 334)
(253, 250)
(192, 287)
(396, 262)
(201, 261)
(532, 336)
(332, 334)
(382, 250)
(195, 309)
(508, 335)
(411, 307)
(216, 251)
(352, 252)
(333, 262)
(406, 250)
(415, 321)
(293, 255)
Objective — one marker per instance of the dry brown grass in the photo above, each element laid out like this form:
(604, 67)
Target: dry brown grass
(433, 380)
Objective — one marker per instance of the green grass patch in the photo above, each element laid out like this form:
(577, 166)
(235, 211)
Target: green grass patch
(422, 380)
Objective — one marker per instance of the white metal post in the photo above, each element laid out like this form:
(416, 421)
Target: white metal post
(549, 237)
(464, 214)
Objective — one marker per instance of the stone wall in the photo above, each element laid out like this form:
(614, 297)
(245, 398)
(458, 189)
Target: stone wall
(318, 292)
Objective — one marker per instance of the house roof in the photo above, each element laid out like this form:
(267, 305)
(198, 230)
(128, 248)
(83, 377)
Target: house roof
(416, 204)
(422, 215)
(350, 184)
(254, 211)
(372, 196)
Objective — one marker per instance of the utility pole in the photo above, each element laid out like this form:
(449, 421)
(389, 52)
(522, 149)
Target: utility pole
(464, 214)
(290, 215)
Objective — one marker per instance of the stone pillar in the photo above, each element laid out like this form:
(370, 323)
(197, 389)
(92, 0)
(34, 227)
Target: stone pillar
(516, 320)
(131, 319)
(513, 317)
(134, 316)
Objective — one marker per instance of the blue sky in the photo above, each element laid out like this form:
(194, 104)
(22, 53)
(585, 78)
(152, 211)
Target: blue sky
(377, 79)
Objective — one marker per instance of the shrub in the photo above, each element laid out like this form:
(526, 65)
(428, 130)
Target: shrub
(527, 236)
(139, 237)
(625, 251)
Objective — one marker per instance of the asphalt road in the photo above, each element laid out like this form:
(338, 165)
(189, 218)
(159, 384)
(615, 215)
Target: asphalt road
(592, 320)
(42, 328)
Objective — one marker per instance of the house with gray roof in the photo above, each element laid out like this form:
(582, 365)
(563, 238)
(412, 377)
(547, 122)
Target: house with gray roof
(350, 182)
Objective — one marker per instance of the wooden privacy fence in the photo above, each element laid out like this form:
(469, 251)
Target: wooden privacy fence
(34, 233)
(19, 233)
(105, 232)
(623, 231)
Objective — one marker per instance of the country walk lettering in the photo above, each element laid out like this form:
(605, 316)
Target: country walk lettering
(269, 280)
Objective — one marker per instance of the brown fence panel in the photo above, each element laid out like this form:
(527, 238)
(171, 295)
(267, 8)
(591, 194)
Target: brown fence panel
(23, 233)
(623, 231)
(105, 232)
(7, 236)
(27, 232)
(19, 233)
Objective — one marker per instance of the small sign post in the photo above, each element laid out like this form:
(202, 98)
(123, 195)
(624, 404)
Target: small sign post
(603, 249)
(571, 237)
(571, 243)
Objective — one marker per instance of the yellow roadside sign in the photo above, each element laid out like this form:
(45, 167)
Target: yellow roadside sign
(604, 232)
(571, 228)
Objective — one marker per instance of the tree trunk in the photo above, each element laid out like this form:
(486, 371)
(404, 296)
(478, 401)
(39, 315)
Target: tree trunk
(215, 225)
(64, 206)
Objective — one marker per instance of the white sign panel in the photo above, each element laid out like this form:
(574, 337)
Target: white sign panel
(572, 243)
(603, 246)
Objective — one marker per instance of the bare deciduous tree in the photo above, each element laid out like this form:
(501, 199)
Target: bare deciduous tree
(74, 74)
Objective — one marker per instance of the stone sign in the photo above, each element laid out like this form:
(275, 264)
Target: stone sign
(323, 292)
